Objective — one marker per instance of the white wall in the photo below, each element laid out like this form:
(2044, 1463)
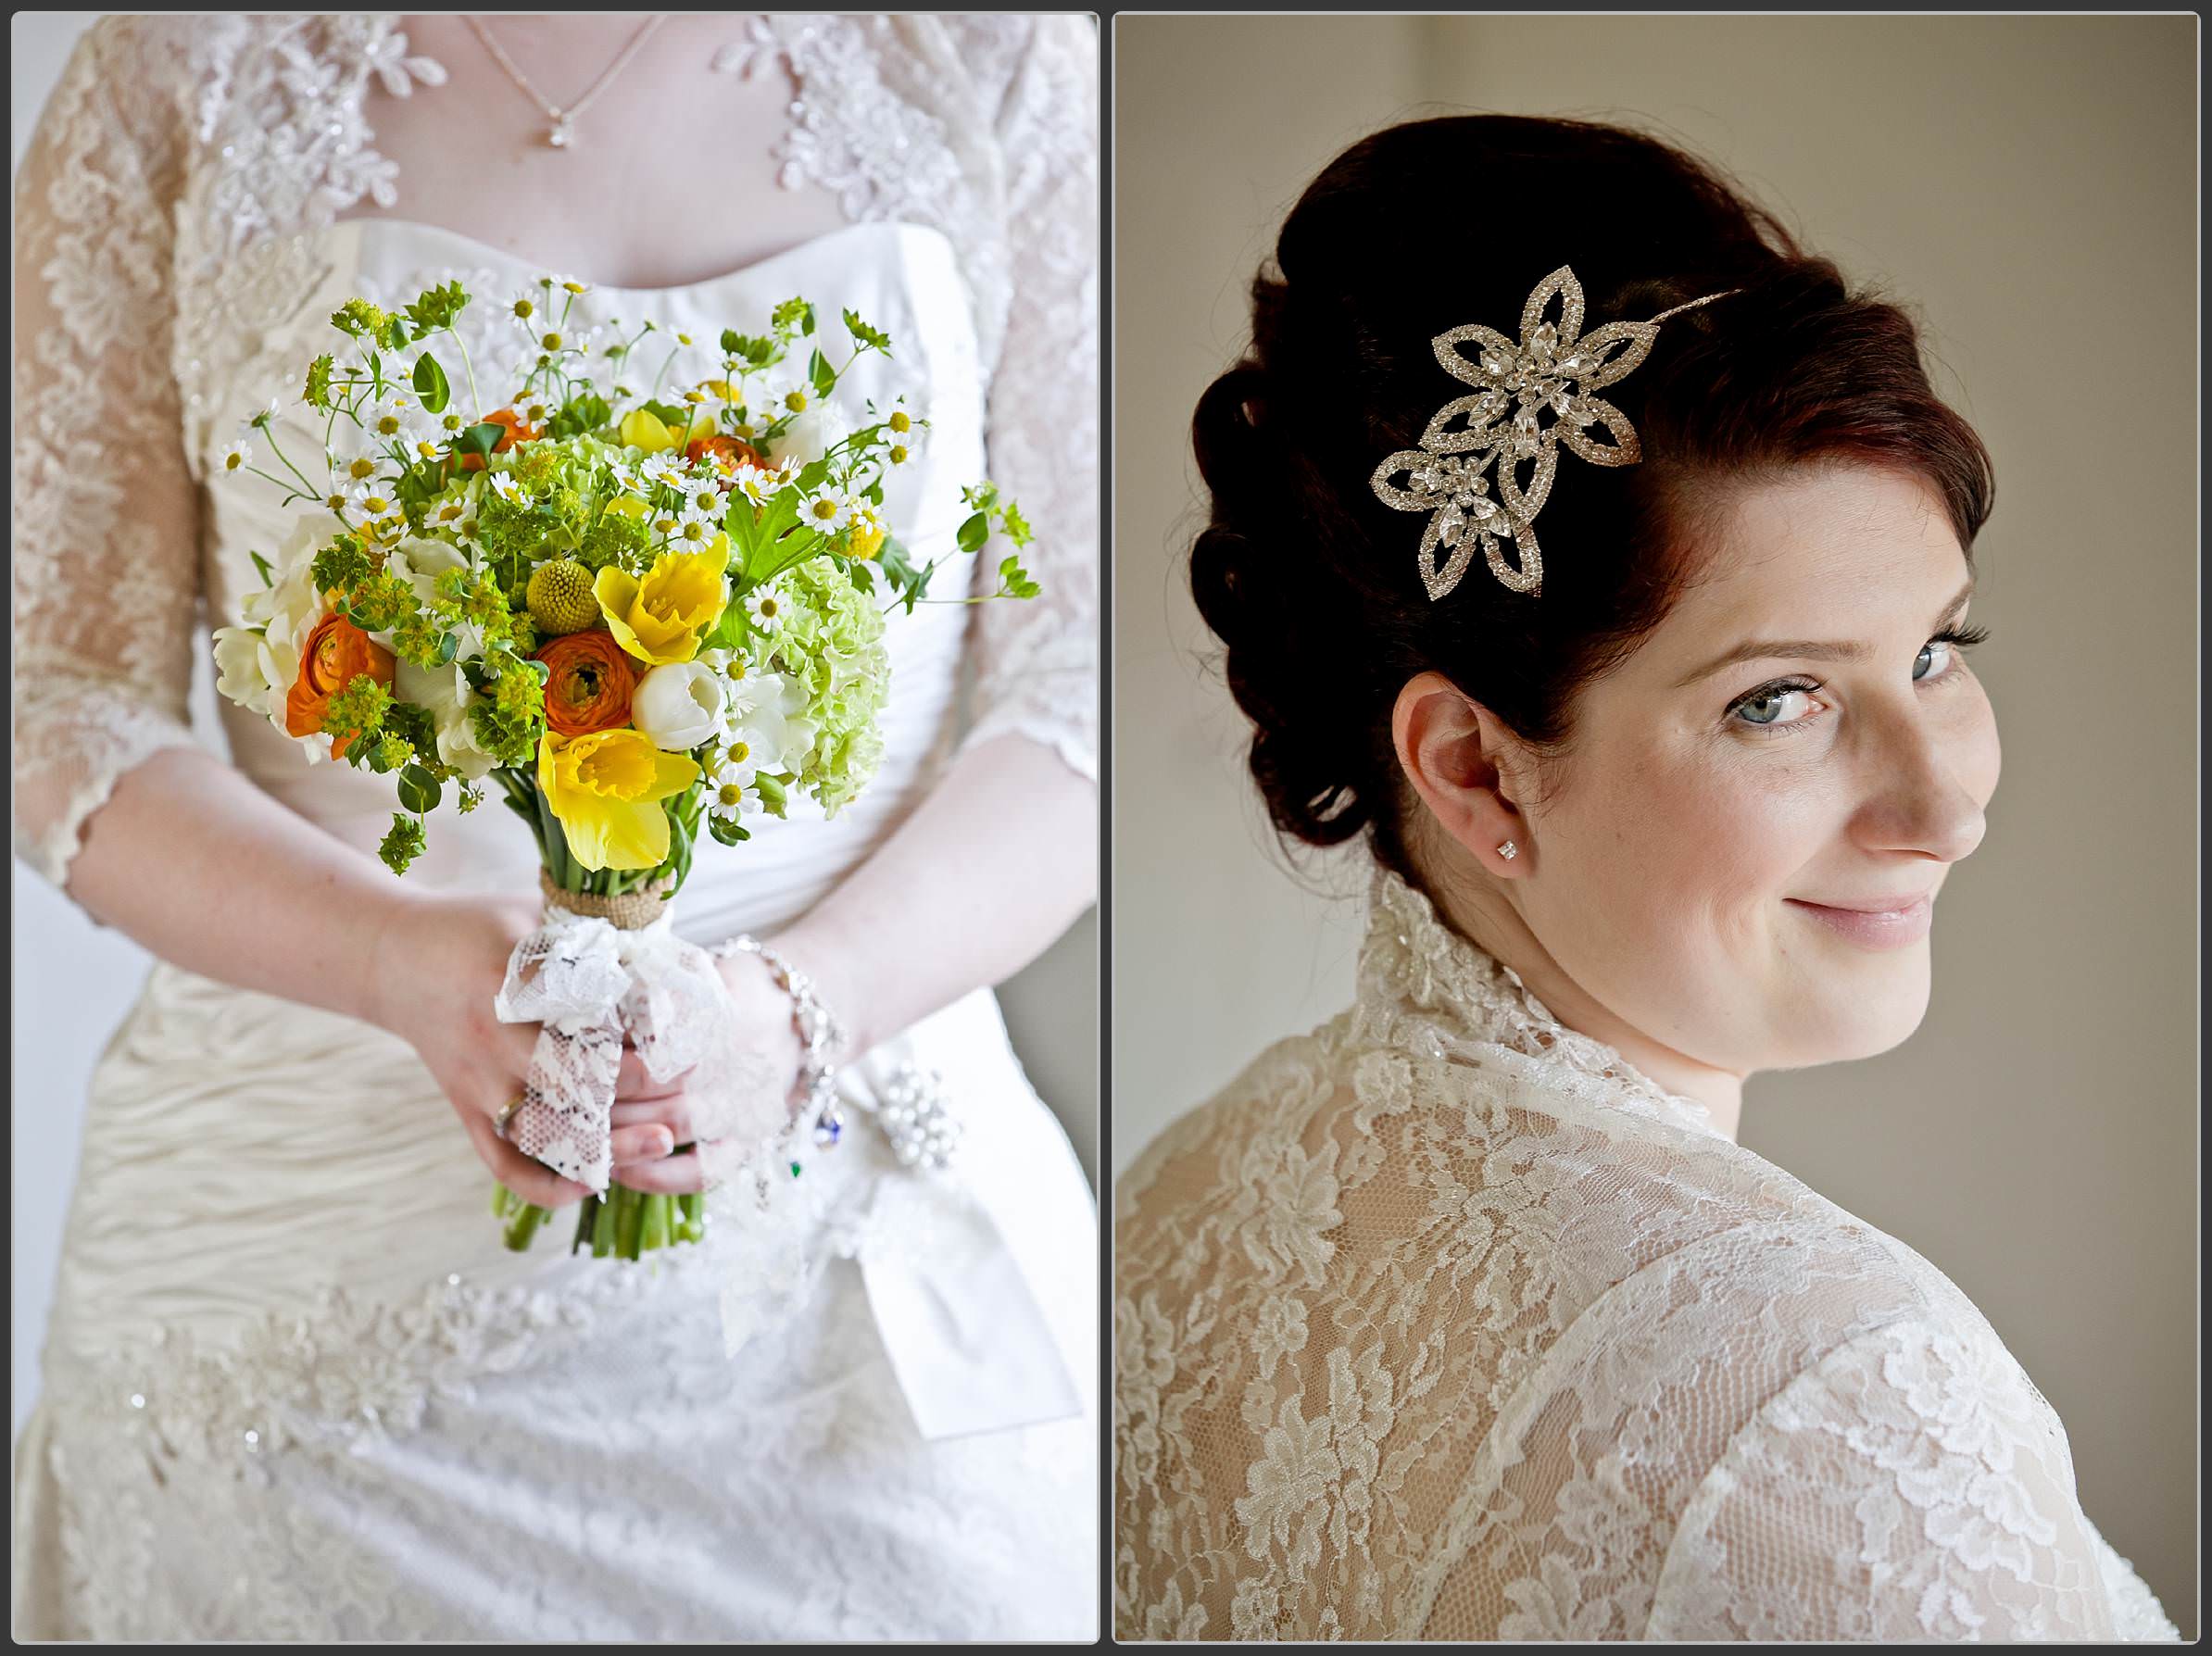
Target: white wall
(75, 980)
(2030, 183)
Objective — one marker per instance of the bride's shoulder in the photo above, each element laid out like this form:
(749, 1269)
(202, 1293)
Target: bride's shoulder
(1274, 1098)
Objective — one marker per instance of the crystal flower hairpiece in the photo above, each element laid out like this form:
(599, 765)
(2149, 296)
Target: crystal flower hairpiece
(1554, 368)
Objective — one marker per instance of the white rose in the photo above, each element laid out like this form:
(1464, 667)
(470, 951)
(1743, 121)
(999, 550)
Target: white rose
(444, 692)
(258, 664)
(678, 706)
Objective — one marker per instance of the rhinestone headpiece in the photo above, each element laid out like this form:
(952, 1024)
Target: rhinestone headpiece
(1554, 368)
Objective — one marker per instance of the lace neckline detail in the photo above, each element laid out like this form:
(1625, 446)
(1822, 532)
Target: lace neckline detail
(1411, 958)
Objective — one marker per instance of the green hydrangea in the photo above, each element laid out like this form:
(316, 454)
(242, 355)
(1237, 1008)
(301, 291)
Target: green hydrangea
(830, 644)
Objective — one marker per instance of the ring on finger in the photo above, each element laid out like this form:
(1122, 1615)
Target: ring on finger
(506, 1114)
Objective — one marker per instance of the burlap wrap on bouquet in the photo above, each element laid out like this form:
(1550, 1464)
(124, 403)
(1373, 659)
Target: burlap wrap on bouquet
(592, 981)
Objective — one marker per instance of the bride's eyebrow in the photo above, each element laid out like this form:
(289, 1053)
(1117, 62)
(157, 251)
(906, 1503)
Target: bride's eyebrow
(1812, 650)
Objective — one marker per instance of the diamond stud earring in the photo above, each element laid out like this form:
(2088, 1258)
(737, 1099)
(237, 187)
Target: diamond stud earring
(1508, 850)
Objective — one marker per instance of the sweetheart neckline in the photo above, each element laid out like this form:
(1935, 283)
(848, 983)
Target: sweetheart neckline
(488, 250)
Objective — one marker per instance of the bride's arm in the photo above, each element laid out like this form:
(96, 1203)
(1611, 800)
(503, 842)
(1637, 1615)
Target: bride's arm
(1003, 854)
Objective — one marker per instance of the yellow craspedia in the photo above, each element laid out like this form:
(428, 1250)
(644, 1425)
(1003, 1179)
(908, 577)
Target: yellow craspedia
(560, 597)
(867, 539)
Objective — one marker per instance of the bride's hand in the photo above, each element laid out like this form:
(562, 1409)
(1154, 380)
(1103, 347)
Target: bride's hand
(440, 963)
(662, 1109)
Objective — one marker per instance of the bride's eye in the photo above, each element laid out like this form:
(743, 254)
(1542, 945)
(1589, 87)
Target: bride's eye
(1774, 707)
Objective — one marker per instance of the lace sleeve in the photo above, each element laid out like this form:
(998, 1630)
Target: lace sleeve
(1037, 660)
(105, 542)
(1912, 1485)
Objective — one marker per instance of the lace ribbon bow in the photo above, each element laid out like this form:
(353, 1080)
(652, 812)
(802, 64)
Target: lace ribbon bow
(591, 985)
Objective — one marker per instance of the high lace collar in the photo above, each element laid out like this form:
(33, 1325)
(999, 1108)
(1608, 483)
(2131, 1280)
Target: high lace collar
(1412, 960)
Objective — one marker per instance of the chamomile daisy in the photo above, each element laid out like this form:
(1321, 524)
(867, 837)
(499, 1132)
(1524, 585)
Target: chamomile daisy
(764, 609)
(730, 790)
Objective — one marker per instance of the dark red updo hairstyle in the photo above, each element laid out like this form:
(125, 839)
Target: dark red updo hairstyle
(1312, 582)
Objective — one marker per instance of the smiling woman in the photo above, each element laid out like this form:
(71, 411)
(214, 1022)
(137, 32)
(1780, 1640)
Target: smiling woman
(1465, 1316)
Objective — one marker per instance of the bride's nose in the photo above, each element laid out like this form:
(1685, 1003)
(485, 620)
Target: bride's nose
(1923, 793)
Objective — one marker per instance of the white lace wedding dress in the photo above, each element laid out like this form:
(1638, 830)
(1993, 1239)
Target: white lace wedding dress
(294, 1386)
(1443, 1323)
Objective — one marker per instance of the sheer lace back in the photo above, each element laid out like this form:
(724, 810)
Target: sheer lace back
(1442, 1321)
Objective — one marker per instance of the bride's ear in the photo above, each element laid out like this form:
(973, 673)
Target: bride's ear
(1455, 754)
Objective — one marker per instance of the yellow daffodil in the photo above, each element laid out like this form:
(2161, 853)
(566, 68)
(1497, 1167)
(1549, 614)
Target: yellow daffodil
(606, 789)
(642, 429)
(663, 617)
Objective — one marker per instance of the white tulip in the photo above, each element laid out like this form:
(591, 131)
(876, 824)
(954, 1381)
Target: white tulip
(678, 706)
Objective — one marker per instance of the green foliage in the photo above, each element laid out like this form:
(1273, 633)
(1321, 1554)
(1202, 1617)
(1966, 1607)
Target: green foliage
(478, 439)
(262, 569)
(467, 797)
(430, 382)
(402, 845)
(864, 335)
(510, 715)
(580, 414)
(357, 319)
(357, 713)
(437, 308)
(380, 602)
(418, 790)
(1013, 580)
(319, 381)
(793, 316)
(340, 565)
(414, 726)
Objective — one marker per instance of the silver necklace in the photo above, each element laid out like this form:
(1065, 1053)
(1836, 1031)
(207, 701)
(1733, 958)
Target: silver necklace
(561, 132)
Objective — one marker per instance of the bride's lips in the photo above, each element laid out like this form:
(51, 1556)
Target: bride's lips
(1878, 923)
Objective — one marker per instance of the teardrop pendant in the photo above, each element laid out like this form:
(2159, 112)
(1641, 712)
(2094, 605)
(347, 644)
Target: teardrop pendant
(559, 135)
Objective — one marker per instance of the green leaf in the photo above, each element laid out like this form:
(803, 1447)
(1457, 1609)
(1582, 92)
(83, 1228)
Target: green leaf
(864, 333)
(448, 647)
(430, 379)
(261, 564)
(402, 845)
(418, 790)
(974, 532)
(821, 375)
(725, 833)
(478, 439)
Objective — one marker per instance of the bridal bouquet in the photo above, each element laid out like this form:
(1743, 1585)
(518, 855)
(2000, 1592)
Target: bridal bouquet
(636, 617)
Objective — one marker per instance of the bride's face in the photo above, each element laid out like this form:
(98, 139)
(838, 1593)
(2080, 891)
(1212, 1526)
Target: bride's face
(1793, 749)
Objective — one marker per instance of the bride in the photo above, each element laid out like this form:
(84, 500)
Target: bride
(294, 1388)
(1464, 1316)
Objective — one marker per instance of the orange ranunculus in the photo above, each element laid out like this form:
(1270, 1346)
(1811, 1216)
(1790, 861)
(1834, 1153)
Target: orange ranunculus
(591, 680)
(336, 653)
(728, 453)
(518, 430)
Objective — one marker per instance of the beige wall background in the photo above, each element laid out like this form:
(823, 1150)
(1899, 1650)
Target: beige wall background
(2030, 182)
